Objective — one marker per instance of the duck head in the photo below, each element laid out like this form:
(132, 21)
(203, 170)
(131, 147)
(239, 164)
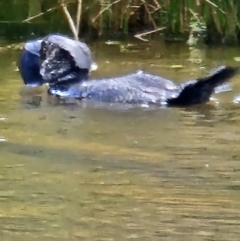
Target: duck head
(56, 64)
(63, 59)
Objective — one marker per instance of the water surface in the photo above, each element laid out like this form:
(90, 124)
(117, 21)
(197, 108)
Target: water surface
(83, 172)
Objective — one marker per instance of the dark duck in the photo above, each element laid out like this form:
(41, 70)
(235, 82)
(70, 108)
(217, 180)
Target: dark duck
(65, 64)
(33, 73)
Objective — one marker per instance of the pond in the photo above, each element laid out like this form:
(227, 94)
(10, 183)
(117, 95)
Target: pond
(83, 172)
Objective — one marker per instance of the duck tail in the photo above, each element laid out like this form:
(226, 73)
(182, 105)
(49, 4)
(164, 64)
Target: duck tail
(200, 90)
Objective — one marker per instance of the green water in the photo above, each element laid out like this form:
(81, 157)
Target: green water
(76, 172)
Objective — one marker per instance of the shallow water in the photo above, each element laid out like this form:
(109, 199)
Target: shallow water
(87, 172)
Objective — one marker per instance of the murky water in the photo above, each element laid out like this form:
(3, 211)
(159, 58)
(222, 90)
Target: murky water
(74, 172)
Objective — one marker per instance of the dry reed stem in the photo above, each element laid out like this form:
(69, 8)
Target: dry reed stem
(158, 6)
(139, 36)
(70, 21)
(79, 14)
(194, 14)
(214, 5)
(103, 10)
(75, 30)
(40, 14)
(149, 14)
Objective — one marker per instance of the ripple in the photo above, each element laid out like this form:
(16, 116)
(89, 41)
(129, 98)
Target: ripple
(3, 118)
(2, 139)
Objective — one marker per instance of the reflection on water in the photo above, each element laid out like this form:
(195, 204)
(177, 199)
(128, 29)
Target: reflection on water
(77, 172)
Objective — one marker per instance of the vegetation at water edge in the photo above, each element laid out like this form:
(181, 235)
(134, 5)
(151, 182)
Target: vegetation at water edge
(217, 21)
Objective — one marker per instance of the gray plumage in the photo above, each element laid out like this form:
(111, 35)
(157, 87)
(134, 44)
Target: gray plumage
(78, 50)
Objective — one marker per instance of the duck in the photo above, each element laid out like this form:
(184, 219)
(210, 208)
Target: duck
(29, 67)
(65, 65)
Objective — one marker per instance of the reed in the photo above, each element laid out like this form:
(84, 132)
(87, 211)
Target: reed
(217, 21)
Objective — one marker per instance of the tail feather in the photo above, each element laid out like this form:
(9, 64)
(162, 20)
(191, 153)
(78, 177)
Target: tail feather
(200, 90)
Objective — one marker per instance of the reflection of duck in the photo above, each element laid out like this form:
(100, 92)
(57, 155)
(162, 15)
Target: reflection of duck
(65, 63)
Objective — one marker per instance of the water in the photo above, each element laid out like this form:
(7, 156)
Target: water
(84, 172)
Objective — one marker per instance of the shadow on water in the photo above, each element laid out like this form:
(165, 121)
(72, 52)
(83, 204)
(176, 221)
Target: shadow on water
(77, 172)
